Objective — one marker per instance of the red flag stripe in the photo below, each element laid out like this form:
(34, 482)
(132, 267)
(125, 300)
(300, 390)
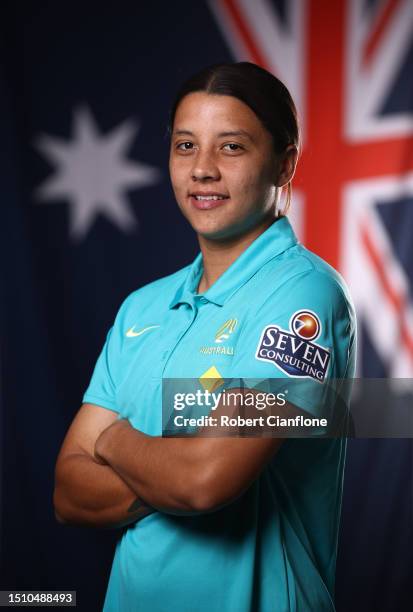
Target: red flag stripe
(397, 300)
(244, 31)
(379, 28)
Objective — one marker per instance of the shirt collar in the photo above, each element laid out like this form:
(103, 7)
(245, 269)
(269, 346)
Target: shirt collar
(277, 238)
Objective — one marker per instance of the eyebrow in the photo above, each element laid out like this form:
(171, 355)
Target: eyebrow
(220, 135)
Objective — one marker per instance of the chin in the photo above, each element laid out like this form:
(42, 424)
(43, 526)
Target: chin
(231, 231)
(219, 233)
(211, 230)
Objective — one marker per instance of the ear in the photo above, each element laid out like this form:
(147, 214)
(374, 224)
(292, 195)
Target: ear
(287, 164)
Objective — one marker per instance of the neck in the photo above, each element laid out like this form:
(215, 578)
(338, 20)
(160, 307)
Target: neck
(218, 255)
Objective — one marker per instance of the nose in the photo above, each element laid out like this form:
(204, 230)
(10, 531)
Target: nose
(205, 167)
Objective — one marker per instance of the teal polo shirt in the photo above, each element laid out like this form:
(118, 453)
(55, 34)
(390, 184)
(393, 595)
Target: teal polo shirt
(278, 312)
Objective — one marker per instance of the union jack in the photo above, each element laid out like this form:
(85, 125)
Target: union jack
(348, 66)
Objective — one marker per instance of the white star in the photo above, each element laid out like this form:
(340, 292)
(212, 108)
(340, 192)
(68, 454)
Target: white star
(92, 172)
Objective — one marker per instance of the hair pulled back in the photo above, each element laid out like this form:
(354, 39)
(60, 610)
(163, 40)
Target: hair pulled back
(263, 92)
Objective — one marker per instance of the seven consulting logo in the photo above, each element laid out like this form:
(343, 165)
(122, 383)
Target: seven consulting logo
(295, 353)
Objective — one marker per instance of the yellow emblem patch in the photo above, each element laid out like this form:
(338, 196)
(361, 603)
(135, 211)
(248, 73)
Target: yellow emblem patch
(211, 379)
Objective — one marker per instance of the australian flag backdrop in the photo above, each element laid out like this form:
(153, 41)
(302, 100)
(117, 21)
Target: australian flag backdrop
(88, 215)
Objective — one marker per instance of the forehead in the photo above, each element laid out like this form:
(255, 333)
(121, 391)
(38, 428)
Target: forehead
(200, 110)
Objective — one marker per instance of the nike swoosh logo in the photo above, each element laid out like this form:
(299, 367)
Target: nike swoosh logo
(132, 334)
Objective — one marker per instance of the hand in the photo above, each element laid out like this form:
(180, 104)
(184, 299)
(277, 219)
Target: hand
(105, 438)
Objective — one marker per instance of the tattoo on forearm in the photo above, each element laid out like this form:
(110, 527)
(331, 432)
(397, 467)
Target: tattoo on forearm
(139, 509)
(137, 504)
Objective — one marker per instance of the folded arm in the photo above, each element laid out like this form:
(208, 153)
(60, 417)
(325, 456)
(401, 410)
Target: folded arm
(188, 474)
(87, 492)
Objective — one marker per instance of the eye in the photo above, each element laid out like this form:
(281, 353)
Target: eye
(233, 147)
(182, 146)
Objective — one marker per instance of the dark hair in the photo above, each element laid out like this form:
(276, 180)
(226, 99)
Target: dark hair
(266, 95)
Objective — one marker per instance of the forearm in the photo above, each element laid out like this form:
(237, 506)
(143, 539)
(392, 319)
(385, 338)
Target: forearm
(167, 473)
(184, 475)
(87, 493)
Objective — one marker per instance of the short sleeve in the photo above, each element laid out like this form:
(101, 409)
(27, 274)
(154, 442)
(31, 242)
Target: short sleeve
(301, 341)
(103, 384)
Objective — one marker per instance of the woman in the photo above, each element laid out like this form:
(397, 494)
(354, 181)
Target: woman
(233, 524)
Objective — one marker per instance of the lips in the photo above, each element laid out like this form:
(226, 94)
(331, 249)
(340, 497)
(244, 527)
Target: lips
(207, 200)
